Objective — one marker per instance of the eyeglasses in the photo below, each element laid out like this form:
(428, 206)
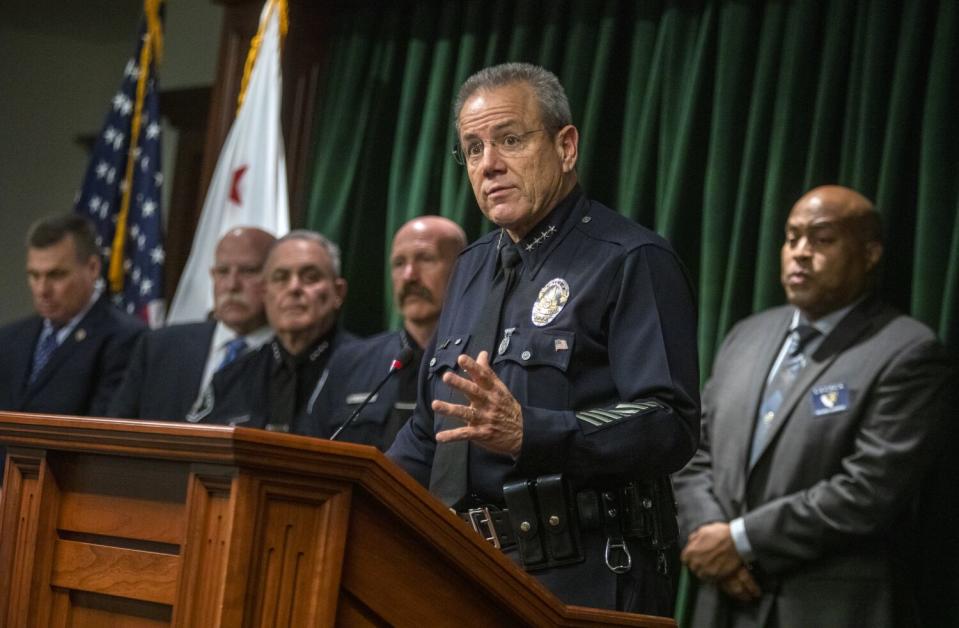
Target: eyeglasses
(508, 145)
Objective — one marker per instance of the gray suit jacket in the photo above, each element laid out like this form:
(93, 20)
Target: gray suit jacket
(828, 504)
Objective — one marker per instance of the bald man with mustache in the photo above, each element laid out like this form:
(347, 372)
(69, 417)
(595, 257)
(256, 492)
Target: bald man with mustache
(170, 367)
(422, 257)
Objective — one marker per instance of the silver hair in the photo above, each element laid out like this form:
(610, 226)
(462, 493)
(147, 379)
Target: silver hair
(553, 103)
(312, 236)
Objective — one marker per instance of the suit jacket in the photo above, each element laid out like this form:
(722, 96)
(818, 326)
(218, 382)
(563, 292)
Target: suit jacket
(163, 378)
(827, 505)
(82, 374)
(354, 373)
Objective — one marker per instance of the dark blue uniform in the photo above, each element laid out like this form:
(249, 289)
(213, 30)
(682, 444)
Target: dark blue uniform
(355, 371)
(242, 393)
(598, 344)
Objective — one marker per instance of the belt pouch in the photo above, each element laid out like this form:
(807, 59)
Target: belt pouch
(560, 531)
(666, 532)
(525, 522)
(639, 520)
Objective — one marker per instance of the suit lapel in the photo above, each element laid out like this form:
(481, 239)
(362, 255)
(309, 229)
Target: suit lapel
(848, 331)
(76, 341)
(21, 356)
(766, 352)
(195, 363)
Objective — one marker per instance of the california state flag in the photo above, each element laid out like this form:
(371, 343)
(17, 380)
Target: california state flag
(249, 184)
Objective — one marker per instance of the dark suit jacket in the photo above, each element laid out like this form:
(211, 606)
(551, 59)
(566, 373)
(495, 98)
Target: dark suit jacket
(82, 374)
(827, 506)
(163, 378)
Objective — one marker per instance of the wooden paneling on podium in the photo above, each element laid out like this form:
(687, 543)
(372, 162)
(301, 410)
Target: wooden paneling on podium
(125, 524)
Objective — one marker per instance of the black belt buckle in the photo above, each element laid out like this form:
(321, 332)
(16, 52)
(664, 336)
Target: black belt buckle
(482, 523)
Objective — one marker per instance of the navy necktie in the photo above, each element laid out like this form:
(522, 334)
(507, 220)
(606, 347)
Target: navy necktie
(779, 384)
(46, 345)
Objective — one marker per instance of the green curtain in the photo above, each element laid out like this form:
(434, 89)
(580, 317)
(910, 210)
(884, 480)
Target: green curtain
(702, 120)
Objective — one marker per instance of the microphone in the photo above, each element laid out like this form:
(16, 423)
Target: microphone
(398, 362)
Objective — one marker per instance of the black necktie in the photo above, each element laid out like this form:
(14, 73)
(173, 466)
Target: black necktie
(487, 327)
(448, 481)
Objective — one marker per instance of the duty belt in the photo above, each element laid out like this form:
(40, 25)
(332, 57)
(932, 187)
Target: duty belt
(492, 524)
(545, 521)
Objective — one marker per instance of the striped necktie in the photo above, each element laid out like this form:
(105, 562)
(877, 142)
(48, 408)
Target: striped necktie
(779, 384)
(46, 345)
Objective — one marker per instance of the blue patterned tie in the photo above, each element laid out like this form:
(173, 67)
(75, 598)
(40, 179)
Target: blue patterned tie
(46, 345)
(234, 349)
(779, 384)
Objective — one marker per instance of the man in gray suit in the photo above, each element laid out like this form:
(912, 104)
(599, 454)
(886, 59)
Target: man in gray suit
(819, 420)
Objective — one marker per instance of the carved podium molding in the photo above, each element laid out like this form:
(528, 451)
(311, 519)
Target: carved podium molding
(130, 523)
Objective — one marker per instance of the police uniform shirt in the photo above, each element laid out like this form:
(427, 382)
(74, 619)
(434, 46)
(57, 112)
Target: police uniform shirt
(247, 392)
(597, 343)
(292, 381)
(354, 374)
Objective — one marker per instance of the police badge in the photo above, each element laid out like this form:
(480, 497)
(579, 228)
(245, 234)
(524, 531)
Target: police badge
(550, 302)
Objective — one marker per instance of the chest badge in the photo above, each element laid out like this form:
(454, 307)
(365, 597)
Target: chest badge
(830, 399)
(550, 302)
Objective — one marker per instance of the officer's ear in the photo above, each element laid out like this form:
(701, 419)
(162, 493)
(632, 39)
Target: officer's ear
(567, 146)
(339, 291)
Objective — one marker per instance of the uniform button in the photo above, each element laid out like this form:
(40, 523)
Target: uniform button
(586, 219)
(432, 361)
(525, 526)
(769, 416)
(554, 520)
(526, 355)
(457, 341)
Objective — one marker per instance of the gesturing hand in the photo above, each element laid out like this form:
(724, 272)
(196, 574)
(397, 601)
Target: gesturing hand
(494, 419)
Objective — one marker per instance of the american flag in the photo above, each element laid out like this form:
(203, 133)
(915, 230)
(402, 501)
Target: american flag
(136, 285)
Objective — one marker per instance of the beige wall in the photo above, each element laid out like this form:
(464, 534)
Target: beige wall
(60, 63)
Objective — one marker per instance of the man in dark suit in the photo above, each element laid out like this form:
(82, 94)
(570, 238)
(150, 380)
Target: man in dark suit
(69, 357)
(422, 256)
(276, 386)
(171, 366)
(818, 422)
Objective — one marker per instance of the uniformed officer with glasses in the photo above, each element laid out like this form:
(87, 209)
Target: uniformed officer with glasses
(561, 386)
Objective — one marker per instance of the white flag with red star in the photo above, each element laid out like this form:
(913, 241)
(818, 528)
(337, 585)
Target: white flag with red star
(249, 184)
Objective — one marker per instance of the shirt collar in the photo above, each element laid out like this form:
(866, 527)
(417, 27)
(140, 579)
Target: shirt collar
(536, 243)
(825, 324)
(222, 335)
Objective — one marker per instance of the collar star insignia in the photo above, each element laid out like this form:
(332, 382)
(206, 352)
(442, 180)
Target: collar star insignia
(543, 236)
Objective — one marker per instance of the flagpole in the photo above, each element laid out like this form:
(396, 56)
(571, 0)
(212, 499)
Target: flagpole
(152, 47)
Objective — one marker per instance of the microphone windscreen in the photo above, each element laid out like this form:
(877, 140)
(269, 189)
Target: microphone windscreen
(402, 358)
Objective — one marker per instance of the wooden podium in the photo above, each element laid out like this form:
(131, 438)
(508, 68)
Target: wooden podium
(134, 523)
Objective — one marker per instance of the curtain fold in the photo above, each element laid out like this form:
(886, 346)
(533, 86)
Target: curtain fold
(702, 120)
